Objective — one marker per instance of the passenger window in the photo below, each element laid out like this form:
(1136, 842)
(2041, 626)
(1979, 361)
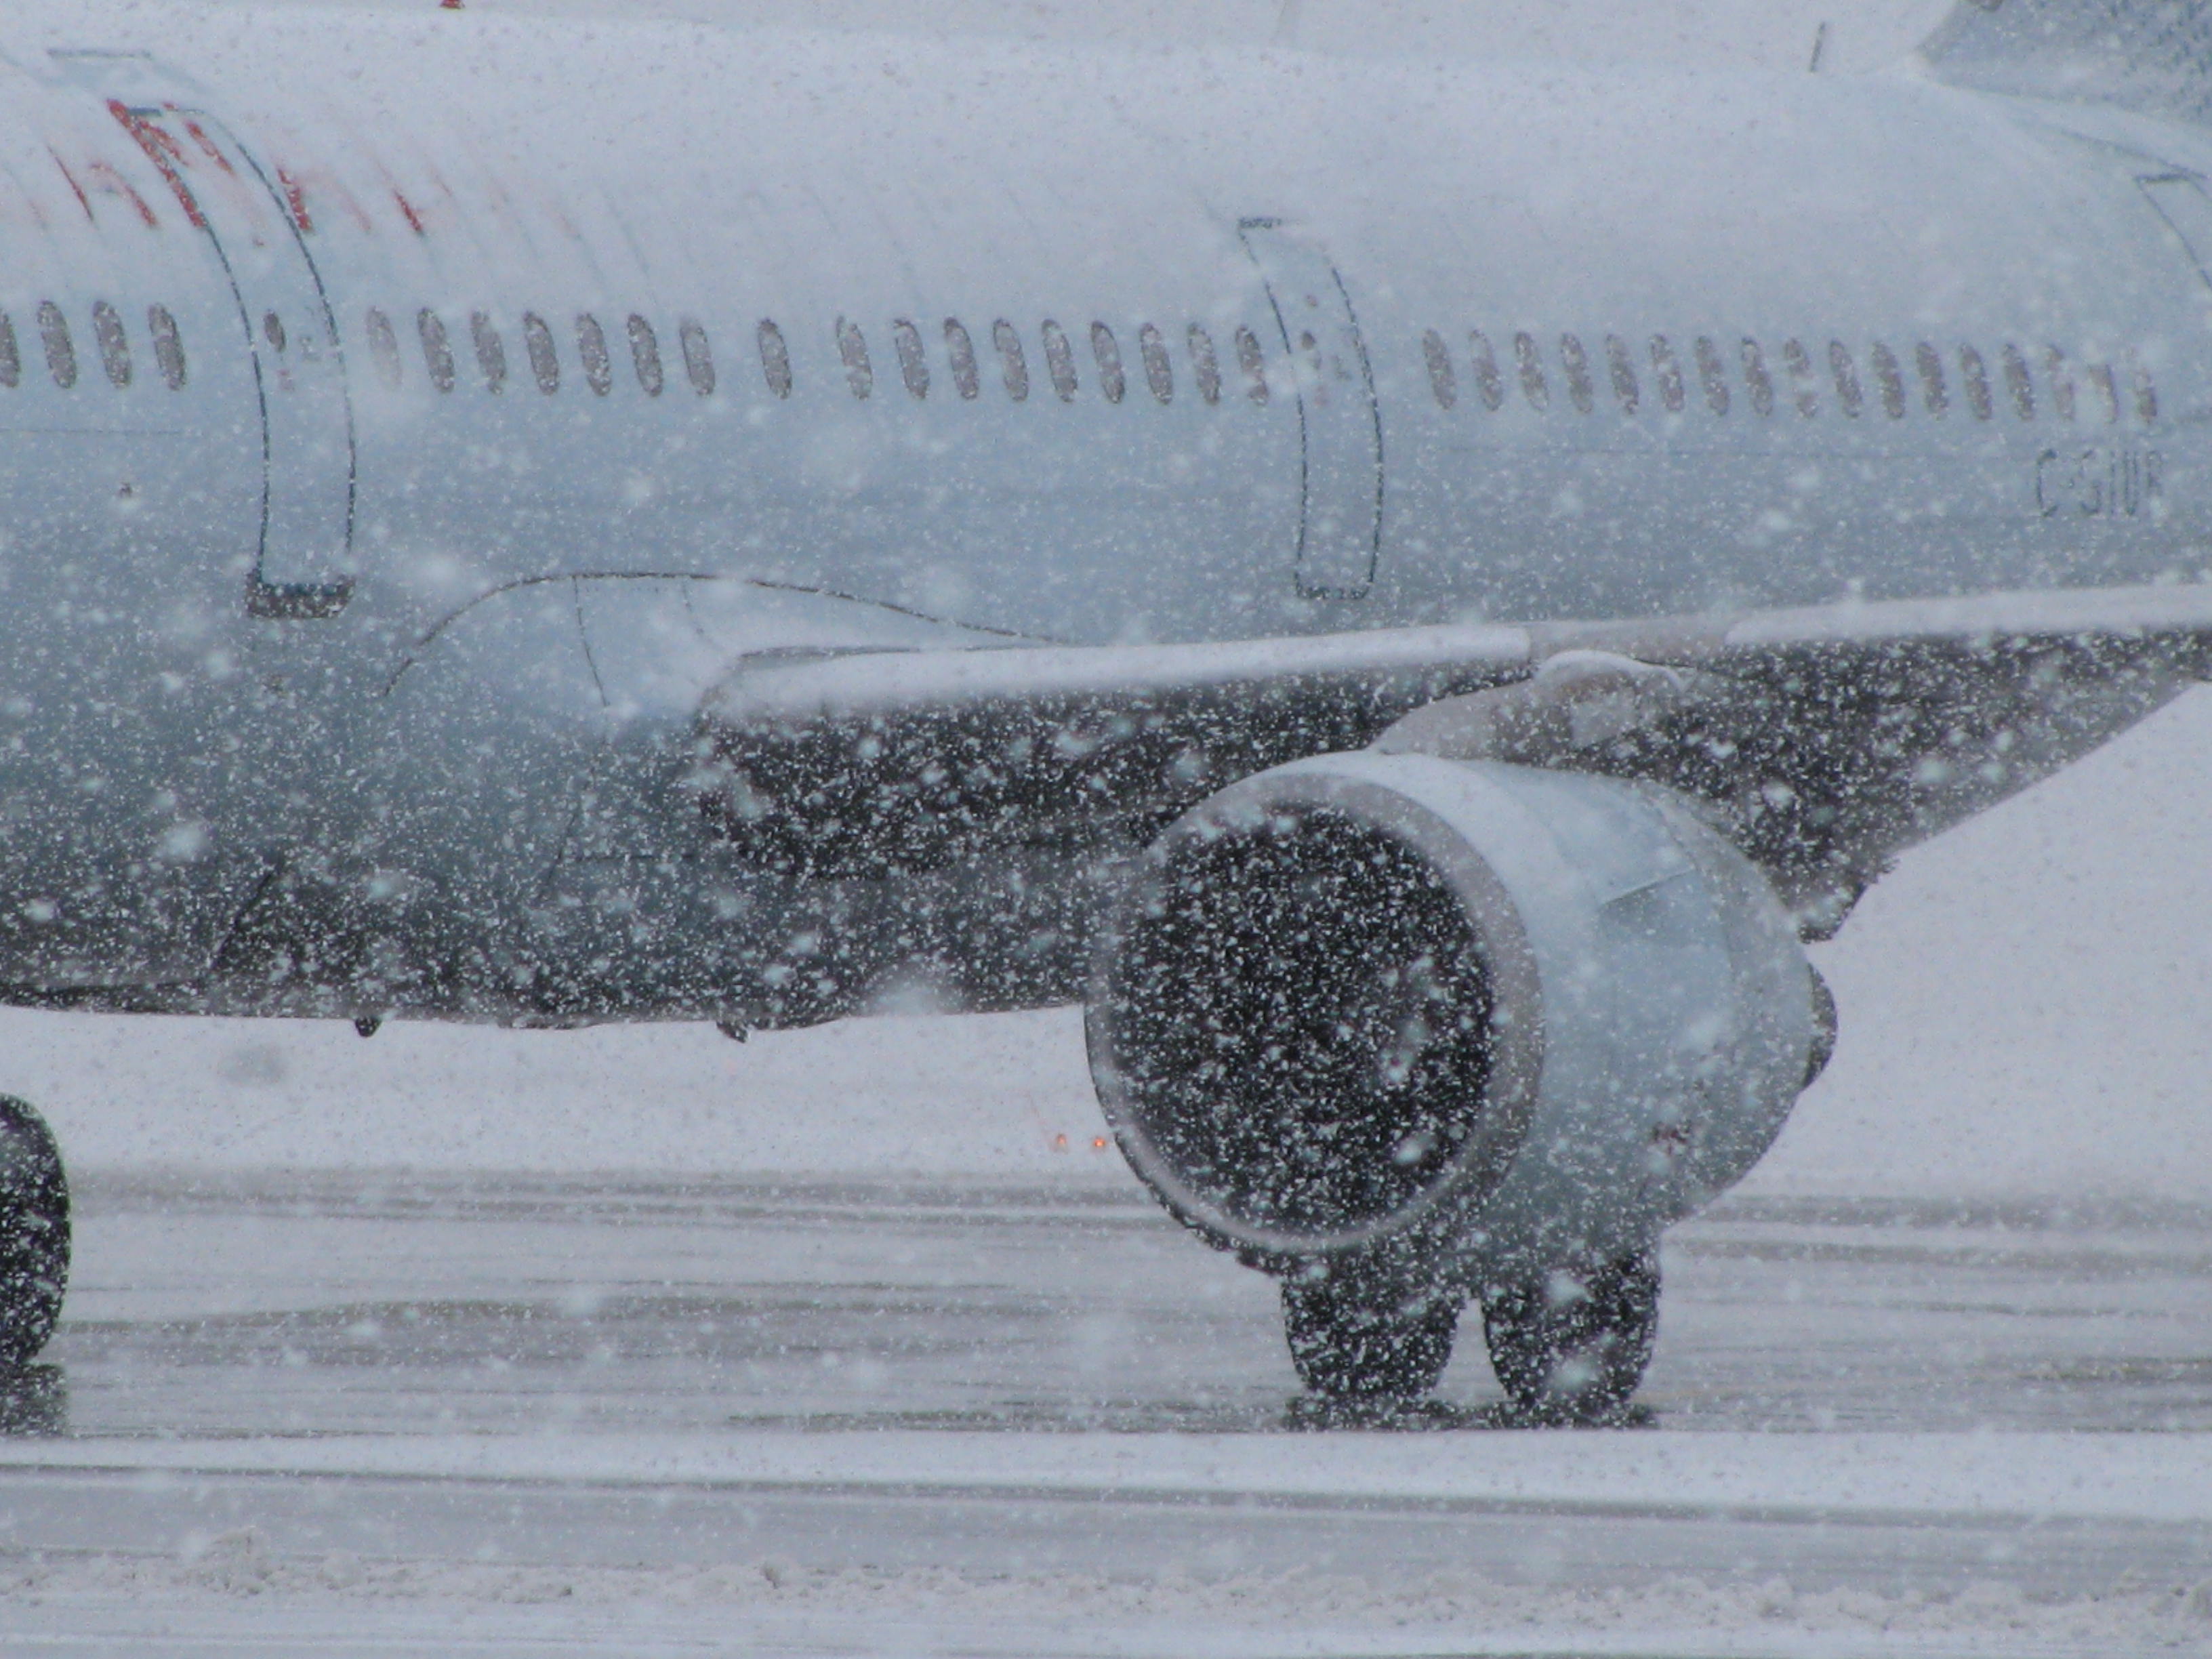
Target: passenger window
(698, 355)
(1488, 379)
(1204, 365)
(1441, 381)
(1846, 376)
(1975, 376)
(775, 358)
(1668, 372)
(114, 345)
(1254, 362)
(1534, 386)
(545, 362)
(1013, 367)
(1799, 362)
(645, 355)
(1889, 379)
(1059, 360)
(1622, 362)
(914, 367)
(2062, 382)
(61, 351)
(168, 350)
(1756, 380)
(1159, 372)
(437, 352)
(491, 352)
(966, 380)
(2108, 389)
(2017, 383)
(11, 358)
(1934, 397)
(853, 347)
(383, 346)
(592, 352)
(1576, 361)
(2146, 396)
(1105, 348)
(1712, 373)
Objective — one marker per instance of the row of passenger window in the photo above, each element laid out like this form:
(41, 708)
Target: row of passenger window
(593, 353)
(962, 359)
(1797, 379)
(1156, 361)
(1794, 377)
(111, 337)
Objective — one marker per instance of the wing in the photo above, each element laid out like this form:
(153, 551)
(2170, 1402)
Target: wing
(1823, 739)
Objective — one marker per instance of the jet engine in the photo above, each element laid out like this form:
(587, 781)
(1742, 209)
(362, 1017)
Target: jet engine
(1404, 1031)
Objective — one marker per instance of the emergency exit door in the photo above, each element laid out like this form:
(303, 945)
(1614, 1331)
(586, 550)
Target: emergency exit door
(303, 555)
(1339, 424)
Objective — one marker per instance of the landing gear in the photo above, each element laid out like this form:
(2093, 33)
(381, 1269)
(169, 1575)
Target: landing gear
(1572, 1349)
(1568, 1349)
(1353, 1343)
(34, 1233)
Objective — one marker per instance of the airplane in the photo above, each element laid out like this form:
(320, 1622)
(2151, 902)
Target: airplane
(1409, 585)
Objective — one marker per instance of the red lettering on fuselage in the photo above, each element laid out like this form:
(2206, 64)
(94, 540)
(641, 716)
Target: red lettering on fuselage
(166, 154)
(305, 187)
(296, 200)
(108, 182)
(82, 200)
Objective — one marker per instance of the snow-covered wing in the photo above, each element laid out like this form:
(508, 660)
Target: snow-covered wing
(1832, 734)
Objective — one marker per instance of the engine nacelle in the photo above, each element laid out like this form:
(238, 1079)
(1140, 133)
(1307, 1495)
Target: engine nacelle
(1483, 1018)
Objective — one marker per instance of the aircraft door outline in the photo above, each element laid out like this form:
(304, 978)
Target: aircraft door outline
(303, 551)
(1340, 418)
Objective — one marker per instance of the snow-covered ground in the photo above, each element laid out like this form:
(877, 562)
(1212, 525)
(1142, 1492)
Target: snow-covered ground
(2024, 1005)
(234, 1595)
(249, 1588)
(1838, 1478)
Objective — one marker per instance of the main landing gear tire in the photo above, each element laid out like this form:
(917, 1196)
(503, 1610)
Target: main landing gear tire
(1569, 1350)
(1353, 1345)
(34, 1233)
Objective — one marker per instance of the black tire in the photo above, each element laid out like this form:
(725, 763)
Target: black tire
(1574, 1351)
(1355, 1342)
(34, 1233)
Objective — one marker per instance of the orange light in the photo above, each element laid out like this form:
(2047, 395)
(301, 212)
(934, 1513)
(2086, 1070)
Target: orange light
(1098, 1142)
(1060, 1143)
